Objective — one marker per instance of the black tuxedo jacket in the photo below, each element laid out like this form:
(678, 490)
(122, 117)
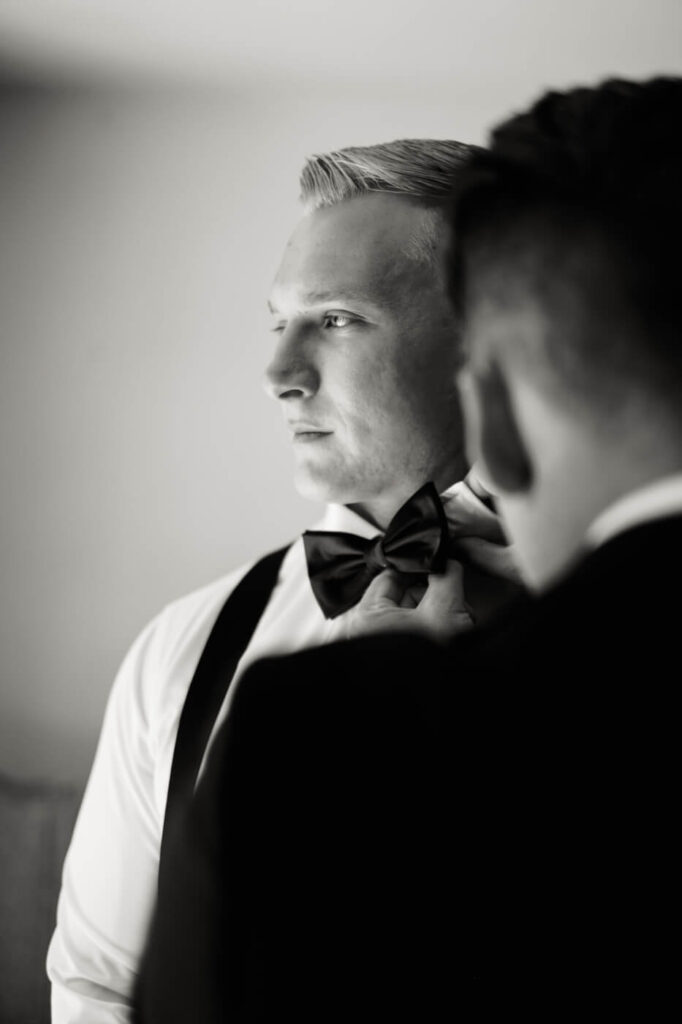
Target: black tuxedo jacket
(390, 828)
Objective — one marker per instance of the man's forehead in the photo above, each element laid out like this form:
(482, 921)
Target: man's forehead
(357, 249)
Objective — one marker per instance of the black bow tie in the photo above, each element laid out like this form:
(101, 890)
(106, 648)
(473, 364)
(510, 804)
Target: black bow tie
(341, 565)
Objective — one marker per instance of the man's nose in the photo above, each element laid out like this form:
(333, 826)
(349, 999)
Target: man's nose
(292, 372)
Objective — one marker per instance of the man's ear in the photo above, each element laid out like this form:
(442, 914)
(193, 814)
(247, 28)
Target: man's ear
(494, 438)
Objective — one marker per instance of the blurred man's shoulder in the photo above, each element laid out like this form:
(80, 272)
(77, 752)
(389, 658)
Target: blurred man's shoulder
(351, 677)
(606, 618)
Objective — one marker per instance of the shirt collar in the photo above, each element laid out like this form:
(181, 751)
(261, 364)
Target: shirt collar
(342, 519)
(653, 501)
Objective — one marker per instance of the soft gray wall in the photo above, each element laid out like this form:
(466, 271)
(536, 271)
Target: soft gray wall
(139, 456)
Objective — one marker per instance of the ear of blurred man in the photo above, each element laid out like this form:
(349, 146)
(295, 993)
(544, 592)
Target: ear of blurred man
(495, 440)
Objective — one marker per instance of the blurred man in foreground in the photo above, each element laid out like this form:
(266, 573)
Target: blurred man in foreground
(461, 832)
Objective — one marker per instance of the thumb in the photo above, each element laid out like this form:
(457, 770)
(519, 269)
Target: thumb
(494, 559)
(385, 590)
(443, 607)
(475, 483)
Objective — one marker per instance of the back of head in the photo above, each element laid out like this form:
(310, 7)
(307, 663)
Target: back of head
(578, 203)
(565, 270)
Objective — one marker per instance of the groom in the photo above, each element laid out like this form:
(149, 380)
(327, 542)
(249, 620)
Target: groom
(486, 828)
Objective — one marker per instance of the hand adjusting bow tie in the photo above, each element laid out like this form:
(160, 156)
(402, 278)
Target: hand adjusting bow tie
(341, 565)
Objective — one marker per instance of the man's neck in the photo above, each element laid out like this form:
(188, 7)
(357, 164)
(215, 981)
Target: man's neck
(579, 526)
(654, 500)
(380, 510)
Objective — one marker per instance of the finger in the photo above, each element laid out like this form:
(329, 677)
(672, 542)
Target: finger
(444, 612)
(468, 516)
(475, 484)
(385, 589)
(495, 559)
(445, 594)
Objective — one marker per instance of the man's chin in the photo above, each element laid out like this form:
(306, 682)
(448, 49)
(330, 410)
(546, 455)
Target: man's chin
(315, 490)
(328, 491)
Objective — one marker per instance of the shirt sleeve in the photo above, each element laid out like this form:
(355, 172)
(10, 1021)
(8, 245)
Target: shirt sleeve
(109, 882)
(110, 871)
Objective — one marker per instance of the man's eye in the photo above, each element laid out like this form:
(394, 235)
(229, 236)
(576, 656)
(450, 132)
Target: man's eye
(278, 328)
(338, 320)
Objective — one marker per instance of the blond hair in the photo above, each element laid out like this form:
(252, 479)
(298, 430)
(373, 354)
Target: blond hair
(424, 171)
(421, 169)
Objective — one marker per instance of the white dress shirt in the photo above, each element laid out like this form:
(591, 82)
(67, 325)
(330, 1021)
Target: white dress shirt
(110, 873)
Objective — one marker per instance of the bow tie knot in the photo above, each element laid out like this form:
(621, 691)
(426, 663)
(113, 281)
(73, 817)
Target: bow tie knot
(375, 556)
(341, 565)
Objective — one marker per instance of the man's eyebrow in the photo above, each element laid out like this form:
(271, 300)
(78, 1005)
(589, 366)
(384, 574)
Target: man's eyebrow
(341, 295)
(338, 296)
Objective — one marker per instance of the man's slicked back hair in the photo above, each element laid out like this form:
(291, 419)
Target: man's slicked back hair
(424, 170)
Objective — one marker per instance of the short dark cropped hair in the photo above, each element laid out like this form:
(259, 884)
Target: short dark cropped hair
(590, 164)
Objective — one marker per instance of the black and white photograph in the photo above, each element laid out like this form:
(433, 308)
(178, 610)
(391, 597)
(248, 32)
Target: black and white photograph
(341, 515)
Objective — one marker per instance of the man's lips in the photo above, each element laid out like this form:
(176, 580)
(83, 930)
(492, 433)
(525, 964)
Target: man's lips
(306, 432)
(306, 428)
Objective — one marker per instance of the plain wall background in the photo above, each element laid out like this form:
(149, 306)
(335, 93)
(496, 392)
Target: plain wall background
(140, 228)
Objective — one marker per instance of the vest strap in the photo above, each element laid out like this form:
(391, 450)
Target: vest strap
(229, 638)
